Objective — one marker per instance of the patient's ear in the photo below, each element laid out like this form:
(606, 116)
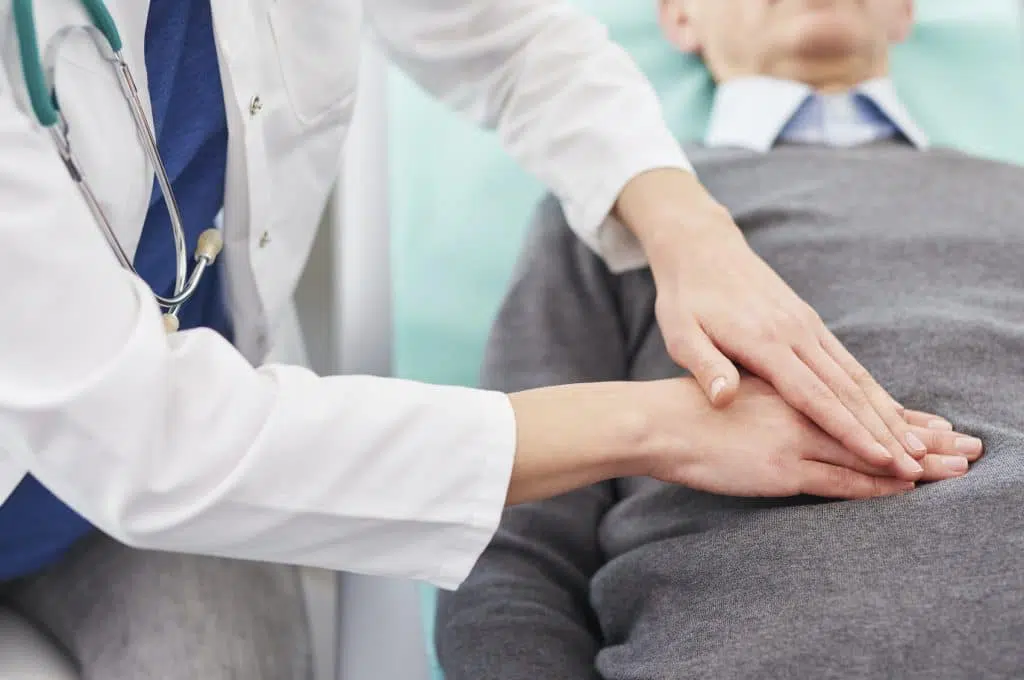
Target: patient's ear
(902, 21)
(677, 25)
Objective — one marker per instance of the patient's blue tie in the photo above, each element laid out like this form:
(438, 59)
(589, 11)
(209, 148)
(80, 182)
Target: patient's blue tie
(838, 120)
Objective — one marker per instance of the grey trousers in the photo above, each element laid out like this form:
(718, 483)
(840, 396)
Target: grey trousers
(126, 614)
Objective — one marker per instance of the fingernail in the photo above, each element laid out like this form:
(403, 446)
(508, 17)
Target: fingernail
(717, 385)
(968, 444)
(955, 463)
(940, 425)
(914, 442)
(914, 466)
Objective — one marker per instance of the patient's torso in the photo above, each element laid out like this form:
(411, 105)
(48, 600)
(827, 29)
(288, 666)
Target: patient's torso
(916, 262)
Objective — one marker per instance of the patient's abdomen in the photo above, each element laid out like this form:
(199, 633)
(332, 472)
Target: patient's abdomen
(916, 262)
(929, 583)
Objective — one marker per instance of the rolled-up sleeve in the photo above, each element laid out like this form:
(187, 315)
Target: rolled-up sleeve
(568, 103)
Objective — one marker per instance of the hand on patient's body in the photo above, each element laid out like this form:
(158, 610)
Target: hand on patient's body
(761, 446)
(717, 299)
(571, 436)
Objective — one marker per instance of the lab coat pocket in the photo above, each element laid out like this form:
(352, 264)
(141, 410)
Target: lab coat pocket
(317, 45)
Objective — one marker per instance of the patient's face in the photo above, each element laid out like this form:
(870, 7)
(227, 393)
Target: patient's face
(829, 44)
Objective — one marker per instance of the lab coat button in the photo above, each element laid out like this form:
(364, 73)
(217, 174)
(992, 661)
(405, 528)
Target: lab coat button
(255, 105)
(264, 239)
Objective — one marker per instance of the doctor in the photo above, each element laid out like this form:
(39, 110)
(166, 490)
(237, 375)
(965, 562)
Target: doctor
(116, 433)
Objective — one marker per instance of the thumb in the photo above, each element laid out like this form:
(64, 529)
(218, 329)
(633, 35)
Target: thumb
(716, 375)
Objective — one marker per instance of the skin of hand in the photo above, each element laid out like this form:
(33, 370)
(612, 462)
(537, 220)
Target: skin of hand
(761, 446)
(571, 436)
(718, 301)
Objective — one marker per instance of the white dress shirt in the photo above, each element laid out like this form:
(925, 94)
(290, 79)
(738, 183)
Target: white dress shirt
(758, 112)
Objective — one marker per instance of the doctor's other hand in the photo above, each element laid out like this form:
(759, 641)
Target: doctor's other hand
(719, 301)
(571, 436)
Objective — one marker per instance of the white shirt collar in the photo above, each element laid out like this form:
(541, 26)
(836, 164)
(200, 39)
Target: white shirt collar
(751, 112)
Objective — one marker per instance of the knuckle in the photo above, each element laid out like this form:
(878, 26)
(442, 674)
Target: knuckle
(819, 393)
(779, 468)
(887, 439)
(677, 344)
(789, 442)
(946, 442)
(838, 479)
(874, 486)
(777, 461)
(705, 366)
(809, 316)
(759, 327)
(801, 400)
(762, 333)
(933, 441)
(855, 399)
(860, 375)
(786, 323)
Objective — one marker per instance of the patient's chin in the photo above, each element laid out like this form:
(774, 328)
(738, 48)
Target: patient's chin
(825, 38)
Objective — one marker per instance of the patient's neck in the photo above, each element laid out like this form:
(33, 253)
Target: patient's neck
(827, 76)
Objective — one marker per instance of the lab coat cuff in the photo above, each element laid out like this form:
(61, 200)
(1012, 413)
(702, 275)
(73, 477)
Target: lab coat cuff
(591, 218)
(485, 492)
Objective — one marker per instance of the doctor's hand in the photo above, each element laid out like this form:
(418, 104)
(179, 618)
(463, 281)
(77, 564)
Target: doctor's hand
(761, 446)
(571, 436)
(718, 300)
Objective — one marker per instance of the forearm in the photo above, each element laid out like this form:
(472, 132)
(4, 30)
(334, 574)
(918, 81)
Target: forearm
(568, 103)
(576, 435)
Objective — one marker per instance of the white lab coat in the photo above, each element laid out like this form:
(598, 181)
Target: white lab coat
(188, 443)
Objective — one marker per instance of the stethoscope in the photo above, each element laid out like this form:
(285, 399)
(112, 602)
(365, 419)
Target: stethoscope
(39, 80)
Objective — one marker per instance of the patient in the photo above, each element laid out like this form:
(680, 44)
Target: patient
(915, 259)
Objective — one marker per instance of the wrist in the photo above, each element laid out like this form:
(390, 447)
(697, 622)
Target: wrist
(666, 208)
(630, 438)
(672, 412)
(572, 436)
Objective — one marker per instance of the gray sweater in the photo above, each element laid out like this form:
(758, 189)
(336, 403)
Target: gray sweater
(916, 261)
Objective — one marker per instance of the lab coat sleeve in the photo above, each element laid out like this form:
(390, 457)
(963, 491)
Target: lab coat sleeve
(524, 612)
(567, 103)
(177, 443)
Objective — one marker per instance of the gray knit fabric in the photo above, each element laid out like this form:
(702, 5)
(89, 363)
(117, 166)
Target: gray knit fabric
(128, 614)
(916, 261)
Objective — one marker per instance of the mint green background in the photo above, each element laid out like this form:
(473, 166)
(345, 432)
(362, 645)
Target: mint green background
(459, 205)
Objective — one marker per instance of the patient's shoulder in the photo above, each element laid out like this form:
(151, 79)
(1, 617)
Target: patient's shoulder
(550, 238)
(549, 225)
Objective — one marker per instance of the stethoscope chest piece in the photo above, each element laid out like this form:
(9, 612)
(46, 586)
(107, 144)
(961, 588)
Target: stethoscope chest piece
(171, 323)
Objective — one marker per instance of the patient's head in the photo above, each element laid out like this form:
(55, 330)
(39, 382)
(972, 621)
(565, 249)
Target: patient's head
(828, 44)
